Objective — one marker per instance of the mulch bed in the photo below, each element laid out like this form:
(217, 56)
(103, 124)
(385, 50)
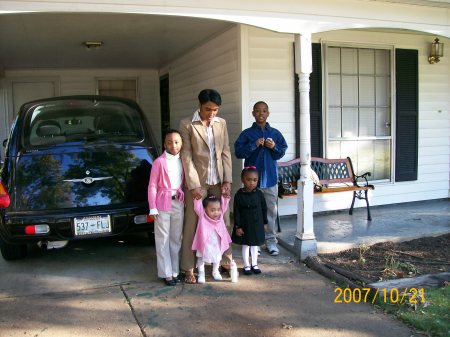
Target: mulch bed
(389, 260)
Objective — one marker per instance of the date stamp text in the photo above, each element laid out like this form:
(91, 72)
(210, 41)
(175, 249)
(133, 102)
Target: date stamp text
(370, 295)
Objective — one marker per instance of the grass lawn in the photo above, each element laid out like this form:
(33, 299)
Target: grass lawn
(429, 313)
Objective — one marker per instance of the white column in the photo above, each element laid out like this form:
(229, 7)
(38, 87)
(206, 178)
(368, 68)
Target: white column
(305, 242)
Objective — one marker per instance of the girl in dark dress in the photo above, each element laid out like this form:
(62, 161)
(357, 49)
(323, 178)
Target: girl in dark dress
(250, 217)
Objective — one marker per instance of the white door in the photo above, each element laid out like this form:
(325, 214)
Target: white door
(23, 92)
(20, 91)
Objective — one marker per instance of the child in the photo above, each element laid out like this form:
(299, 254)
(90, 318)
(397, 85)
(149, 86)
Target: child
(250, 217)
(211, 238)
(165, 199)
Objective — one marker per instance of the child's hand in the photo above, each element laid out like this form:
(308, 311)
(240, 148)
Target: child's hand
(269, 143)
(226, 190)
(239, 232)
(154, 216)
(266, 228)
(260, 142)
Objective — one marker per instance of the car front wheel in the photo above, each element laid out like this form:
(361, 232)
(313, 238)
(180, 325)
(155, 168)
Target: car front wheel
(12, 252)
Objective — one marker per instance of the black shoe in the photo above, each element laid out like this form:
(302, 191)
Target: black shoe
(256, 270)
(247, 270)
(170, 283)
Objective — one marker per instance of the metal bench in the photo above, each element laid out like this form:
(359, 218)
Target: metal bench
(335, 175)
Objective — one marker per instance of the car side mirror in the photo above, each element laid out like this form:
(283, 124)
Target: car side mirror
(5, 141)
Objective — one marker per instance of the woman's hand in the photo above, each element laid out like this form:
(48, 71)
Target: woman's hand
(197, 193)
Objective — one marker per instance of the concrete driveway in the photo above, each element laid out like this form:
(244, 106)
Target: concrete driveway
(110, 288)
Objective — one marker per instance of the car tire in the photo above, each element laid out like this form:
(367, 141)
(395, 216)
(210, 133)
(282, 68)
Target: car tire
(13, 252)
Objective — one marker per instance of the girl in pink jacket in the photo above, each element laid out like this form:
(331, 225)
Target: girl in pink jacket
(211, 238)
(166, 203)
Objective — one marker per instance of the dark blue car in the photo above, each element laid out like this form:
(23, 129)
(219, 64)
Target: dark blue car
(75, 168)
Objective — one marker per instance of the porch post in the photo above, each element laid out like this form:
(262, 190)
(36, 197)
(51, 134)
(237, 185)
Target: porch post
(305, 243)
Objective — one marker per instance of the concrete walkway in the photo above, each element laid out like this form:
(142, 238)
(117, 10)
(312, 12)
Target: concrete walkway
(336, 231)
(109, 288)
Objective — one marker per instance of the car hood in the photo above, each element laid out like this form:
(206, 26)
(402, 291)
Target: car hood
(72, 177)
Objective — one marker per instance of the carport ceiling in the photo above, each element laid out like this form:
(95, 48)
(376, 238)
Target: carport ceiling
(55, 40)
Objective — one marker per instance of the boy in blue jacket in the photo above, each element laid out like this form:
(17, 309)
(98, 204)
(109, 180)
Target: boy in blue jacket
(261, 146)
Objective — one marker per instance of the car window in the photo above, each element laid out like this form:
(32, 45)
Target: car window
(64, 121)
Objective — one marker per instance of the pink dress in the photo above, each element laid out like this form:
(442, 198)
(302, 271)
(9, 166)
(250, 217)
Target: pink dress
(211, 238)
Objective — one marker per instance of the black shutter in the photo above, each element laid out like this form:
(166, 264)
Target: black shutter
(315, 101)
(407, 114)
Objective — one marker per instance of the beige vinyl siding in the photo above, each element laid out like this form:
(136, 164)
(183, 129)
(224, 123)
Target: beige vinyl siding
(83, 82)
(270, 69)
(268, 80)
(434, 124)
(214, 65)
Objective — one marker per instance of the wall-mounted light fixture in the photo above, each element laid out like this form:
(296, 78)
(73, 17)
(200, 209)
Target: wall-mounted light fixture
(93, 44)
(437, 51)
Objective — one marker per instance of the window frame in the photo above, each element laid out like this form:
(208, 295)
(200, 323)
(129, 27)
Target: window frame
(325, 100)
(126, 78)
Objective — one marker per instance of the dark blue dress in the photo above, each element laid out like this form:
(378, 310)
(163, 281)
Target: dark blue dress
(250, 214)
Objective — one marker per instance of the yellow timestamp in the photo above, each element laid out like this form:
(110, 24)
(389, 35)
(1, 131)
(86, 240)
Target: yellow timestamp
(392, 295)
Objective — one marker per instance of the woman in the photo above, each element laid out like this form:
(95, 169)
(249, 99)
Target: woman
(206, 161)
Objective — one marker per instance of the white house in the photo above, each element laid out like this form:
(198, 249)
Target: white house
(372, 93)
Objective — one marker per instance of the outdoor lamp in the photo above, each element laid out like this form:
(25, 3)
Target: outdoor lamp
(437, 51)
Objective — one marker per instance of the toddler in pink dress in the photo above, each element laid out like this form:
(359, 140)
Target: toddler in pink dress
(211, 238)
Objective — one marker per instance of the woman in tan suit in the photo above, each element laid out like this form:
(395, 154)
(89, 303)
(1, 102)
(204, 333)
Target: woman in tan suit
(206, 161)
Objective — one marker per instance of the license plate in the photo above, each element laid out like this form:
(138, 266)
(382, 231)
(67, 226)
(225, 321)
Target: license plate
(92, 225)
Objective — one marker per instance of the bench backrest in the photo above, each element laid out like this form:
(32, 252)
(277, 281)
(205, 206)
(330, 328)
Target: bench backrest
(328, 170)
(333, 170)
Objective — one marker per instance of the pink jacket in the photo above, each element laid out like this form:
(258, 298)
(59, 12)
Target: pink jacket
(206, 226)
(159, 189)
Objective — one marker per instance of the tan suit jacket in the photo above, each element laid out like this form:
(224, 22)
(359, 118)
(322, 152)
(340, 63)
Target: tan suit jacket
(195, 152)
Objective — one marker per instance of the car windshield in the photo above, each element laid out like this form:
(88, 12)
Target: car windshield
(57, 122)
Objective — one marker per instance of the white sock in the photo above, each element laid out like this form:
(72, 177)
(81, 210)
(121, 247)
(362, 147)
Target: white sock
(245, 255)
(254, 253)
(216, 267)
(200, 265)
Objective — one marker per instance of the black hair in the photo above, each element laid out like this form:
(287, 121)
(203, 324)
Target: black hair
(260, 102)
(209, 95)
(210, 198)
(248, 169)
(169, 131)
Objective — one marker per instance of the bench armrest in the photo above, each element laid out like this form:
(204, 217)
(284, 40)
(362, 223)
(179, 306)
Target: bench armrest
(363, 176)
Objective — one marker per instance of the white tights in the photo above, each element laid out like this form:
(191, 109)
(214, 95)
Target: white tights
(253, 250)
(201, 266)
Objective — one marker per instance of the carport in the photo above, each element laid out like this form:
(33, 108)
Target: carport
(45, 53)
(105, 45)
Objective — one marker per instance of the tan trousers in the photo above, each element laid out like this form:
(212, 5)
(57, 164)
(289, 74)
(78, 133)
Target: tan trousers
(168, 229)
(188, 258)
